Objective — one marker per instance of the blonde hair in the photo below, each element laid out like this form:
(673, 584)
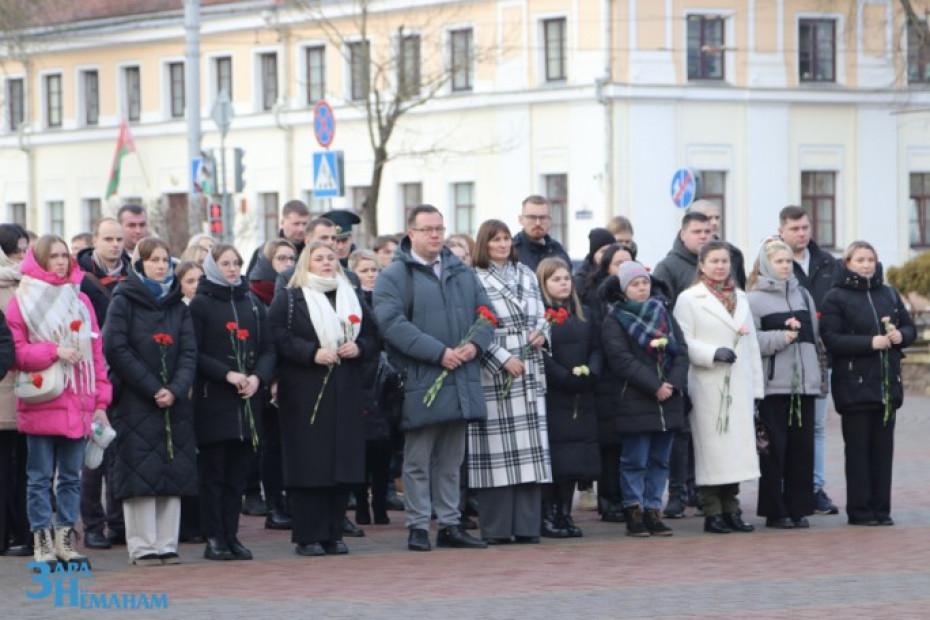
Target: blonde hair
(858, 245)
(299, 279)
(362, 255)
(769, 247)
(546, 269)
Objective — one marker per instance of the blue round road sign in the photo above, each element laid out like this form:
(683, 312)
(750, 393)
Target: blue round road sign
(324, 124)
(684, 187)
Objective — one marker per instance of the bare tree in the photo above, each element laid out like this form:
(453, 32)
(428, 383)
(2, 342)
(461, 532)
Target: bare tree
(388, 83)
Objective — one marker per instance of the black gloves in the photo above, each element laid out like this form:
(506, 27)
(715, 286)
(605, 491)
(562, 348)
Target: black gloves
(725, 355)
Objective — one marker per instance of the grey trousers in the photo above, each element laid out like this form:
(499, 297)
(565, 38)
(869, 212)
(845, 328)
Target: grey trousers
(510, 511)
(432, 461)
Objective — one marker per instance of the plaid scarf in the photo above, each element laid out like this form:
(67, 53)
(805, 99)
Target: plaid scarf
(645, 322)
(725, 293)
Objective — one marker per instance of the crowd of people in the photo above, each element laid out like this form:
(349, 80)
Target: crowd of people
(486, 377)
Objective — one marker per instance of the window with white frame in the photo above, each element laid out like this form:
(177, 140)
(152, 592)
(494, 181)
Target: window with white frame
(132, 85)
(463, 200)
(268, 207)
(176, 89)
(268, 66)
(90, 97)
(461, 41)
(408, 65)
(557, 195)
(818, 198)
(16, 211)
(92, 212)
(817, 50)
(14, 103)
(359, 69)
(705, 47)
(411, 195)
(316, 73)
(56, 217)
(920, 210)
(53, 100)
(222, 67)
(713, 188)
(554, 33)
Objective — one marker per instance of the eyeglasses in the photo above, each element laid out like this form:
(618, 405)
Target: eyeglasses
(226, 264)
(431, 230)
(537, 218)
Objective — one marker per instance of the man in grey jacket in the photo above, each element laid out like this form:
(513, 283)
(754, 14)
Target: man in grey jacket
(425, 302)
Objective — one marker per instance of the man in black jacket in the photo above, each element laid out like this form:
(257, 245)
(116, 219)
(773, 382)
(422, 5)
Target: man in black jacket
(815, 270)
(533, 243)
(712, 211)
(105, 265)
(295, 217)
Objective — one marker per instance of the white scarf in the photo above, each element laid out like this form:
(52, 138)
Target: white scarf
(332, 326)
(10, 270)
(48, 311)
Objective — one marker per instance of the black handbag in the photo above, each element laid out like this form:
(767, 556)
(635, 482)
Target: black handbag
(389, 390)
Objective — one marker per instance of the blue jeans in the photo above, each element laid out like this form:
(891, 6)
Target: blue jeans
(644, 468)
(820, 437)
(42, 453)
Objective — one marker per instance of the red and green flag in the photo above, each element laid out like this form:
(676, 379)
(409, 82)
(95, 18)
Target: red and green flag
(124, 146)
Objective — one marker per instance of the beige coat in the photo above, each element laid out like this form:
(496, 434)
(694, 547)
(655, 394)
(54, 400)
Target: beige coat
(721, 457)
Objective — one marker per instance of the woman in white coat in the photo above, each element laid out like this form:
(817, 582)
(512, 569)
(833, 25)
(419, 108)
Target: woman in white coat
(724, 380)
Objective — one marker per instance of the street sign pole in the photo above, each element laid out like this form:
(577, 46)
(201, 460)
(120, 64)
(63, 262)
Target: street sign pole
(222, 114)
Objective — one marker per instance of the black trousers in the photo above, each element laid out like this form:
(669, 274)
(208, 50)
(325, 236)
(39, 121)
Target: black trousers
(681, 465)
(93, 513)
(14, 526)
(318, 513)
(786, 487)
(608, 486)
(869, 453)
(377, 473)
(272, 468)
(223, 468)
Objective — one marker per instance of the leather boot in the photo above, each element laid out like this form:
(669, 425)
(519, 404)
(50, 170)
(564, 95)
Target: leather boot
(716, 525)
(43, 548)
(277, 517)
(736, 523)
(634, 522)
(652, 518)
(217, 549)
(550, 527)
(64, 547)
(566, 522)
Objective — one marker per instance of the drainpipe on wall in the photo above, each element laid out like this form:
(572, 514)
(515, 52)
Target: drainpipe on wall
(32, 183)
(604, 99)
(282, 104)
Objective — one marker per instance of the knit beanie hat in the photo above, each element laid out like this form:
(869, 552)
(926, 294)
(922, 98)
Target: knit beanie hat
(629, 271)
(598, 238)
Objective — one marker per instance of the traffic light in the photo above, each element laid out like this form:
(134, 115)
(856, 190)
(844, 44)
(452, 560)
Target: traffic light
(206, 174)
(240, 169)
(216, 218)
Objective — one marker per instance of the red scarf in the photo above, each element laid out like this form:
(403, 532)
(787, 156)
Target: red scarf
(725, 293)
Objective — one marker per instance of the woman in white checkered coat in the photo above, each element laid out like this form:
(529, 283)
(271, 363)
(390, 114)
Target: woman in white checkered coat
(508, 454)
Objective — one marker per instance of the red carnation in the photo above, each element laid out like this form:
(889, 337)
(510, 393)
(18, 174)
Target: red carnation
(232, 326)
(76, 325)
(242, 334)
(163, 339)
(37, 380)
(561, 315)
(354, 320)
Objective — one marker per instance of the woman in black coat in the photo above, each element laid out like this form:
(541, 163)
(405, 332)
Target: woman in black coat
(235, 365)
(324, 334)
(573, 363)
(866, 327)
(155, 452)
(648, 379)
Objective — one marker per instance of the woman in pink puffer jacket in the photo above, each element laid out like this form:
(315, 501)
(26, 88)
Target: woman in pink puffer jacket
(53, 323)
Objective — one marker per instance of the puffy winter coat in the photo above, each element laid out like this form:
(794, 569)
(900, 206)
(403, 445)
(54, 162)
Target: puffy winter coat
(70, 413)
(571, 418)
(774, 302)
(142, 466)
(632, 377)
(531, 253)
(219, 411)
(677, 270)
(851, 316)
(443, 311)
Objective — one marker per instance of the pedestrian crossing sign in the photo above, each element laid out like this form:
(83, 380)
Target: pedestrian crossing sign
(328, 178)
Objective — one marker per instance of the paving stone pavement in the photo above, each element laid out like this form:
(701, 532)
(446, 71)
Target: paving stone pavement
(831, 569)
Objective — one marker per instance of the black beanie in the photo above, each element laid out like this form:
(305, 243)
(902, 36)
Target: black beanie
(598, 238)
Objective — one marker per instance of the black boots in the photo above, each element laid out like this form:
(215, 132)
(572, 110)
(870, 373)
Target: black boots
(551, 521)
(278, 517)
(564, 512)
(634, 522)
(716, 525)
(736, 523)
(652, 519)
